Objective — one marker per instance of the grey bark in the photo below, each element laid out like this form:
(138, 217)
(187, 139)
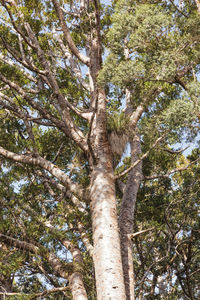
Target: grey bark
(126, 218)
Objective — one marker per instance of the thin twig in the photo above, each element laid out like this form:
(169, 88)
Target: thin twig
(58, 153)
(175, 151)
(140, 159)
(60, 289)
(180, 11)
(155, 176)
(140, 232)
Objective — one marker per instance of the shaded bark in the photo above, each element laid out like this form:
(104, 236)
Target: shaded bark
(76, 279)
(60, 268)
(126, 218)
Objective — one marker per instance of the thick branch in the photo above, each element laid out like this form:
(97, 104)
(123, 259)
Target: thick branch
(35, 105)
(47, 292)
(45, 164)
(136, 115)
(23, 61)
(70, 130)
(74, 132)
(19, 244)
(56, 264)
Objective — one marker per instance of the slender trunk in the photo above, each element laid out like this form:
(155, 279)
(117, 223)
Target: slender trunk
(126, 219)
(77, 287)
(76, 279)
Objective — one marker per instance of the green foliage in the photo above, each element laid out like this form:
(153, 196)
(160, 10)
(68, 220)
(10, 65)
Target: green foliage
(154, 40)
(152, 49)
(179, 113)
(118, 122)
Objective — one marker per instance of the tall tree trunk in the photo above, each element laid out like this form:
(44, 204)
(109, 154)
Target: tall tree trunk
(126, 218)
(107, 256)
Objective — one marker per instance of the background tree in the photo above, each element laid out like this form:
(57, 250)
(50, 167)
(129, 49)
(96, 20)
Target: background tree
(97, 202)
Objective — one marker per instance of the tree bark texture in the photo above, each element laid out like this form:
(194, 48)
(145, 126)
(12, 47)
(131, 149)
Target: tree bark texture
(76, 279)
(77, 287)
(106, 255)
(127, 216)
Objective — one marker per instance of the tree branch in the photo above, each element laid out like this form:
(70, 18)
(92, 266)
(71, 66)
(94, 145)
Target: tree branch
(140, 232)
(8, 61)
(45, 164)
(175, 151)
(56, 264)
(67, 126)
(55, 290)
(135, 116)
(84, 59)
(74, 67)
(19, 244)
(140, 159)
(180, 11)
(155, 176)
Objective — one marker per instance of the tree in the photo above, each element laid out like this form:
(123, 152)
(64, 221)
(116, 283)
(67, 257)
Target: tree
(79, 82)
